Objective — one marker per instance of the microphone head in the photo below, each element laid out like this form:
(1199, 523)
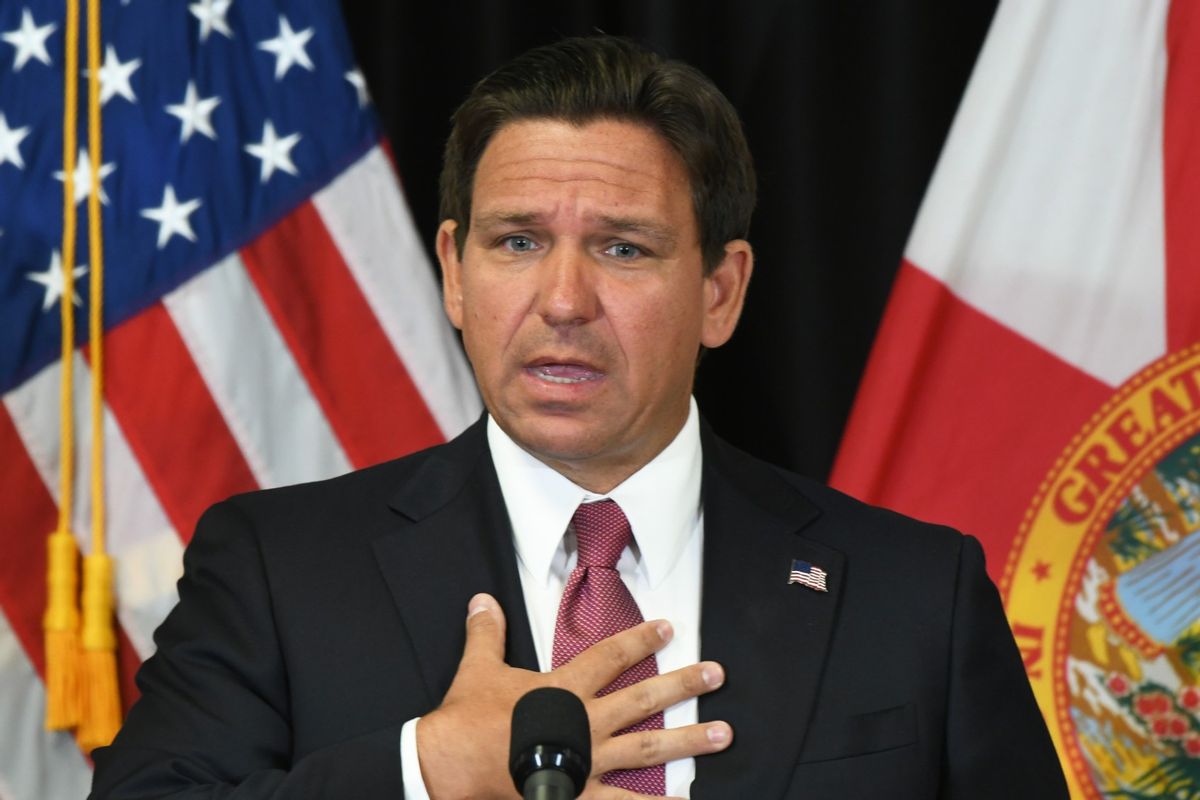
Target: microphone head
(550, 730)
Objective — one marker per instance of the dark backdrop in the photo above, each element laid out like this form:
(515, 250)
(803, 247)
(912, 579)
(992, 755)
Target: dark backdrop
(845, 104)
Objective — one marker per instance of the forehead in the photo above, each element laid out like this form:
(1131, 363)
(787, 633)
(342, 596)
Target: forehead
(601, 165)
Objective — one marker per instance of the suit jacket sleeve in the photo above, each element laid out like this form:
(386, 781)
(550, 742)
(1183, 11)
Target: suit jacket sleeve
(214, 717)
(996, 742)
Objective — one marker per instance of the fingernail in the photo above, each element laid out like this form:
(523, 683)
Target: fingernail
(477, 605)
(718, 734)
(664, 630)
(712, 675)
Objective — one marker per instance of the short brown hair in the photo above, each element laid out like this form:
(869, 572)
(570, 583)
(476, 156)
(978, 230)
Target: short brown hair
(582, 79)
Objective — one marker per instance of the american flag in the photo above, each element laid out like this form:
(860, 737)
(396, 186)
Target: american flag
(271, 315)
(808, 575)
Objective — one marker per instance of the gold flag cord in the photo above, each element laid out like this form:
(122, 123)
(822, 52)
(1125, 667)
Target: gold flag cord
(61, 621)
(81, 657)
(100, 699)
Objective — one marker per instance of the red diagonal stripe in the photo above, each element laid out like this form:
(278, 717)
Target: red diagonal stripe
(1181, 174)
(173, 426)
(359, 380)
(27, 515)
(958, 418)
(128, 662)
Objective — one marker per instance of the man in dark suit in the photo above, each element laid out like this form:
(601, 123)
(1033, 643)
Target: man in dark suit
(595, 200)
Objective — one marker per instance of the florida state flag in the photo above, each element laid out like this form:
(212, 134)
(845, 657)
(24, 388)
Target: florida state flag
(1036, 378)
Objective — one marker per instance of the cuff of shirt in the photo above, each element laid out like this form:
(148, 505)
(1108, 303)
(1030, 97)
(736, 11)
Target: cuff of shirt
(410, 763)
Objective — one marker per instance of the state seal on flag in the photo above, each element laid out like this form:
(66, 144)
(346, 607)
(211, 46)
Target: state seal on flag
(1103, 589)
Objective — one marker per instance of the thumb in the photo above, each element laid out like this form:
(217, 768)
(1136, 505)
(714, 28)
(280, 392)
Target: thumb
(485, 629)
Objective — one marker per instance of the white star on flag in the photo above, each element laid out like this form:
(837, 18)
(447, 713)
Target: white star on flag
(30, 40)
(274, 152)
(10, 143)
(55, 281)
(83, 177)
(288, 48)
(172, 217)
(115, 75)
(196, 113)
(359, 83)
(211, 14)
(190, 237)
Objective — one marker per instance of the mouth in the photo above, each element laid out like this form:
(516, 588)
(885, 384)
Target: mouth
(563, 372)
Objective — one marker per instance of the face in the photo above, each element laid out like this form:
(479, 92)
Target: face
(581, 293)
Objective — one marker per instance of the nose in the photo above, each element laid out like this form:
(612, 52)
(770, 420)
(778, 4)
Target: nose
(567, 292)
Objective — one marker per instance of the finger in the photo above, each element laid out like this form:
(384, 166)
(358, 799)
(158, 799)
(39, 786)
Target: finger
(650, 748)
(602, 791)
(634, 703)
(485, 629)
(600, 664)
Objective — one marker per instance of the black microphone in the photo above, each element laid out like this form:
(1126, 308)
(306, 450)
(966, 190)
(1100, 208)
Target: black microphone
(550, 753)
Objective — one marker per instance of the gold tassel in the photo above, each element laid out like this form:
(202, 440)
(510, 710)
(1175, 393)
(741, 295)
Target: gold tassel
(100, 706)
(61, 627)
(101, 700)
(60, 623)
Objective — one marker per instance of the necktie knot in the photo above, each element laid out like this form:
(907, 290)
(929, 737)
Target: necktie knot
(602, 533)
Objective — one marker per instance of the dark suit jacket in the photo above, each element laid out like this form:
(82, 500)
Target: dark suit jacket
(315, 620)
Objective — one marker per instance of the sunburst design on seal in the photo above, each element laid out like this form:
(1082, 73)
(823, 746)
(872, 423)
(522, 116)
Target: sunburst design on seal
(1103, 588)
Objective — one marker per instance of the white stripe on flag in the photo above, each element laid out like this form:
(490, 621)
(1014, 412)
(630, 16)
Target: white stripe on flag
(253, 378)
(147, 550)
(34, 764)
(1069, 144)
(368, 220)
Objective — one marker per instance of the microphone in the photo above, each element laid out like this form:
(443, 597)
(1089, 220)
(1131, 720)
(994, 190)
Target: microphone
(550, 753)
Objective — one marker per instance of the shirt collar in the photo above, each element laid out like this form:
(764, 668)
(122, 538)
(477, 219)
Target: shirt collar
(661, 501)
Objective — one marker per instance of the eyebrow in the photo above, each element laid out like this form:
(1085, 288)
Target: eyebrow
(636, 225)
(639, 226)
(494, 218)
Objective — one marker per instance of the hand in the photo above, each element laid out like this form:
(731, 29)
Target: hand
(463, 744)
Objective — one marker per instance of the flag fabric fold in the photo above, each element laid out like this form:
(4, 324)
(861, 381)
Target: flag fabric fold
(1036, 377)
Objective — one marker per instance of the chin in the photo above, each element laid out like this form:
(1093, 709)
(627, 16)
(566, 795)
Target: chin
(557, 439)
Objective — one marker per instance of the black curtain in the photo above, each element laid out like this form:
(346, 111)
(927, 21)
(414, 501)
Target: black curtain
(846, 105)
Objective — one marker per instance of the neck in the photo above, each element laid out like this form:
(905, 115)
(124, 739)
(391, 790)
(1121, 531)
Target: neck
(600, 475)
(597, 480)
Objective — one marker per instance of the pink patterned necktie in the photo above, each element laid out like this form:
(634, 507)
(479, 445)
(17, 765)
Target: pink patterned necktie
(596, 605)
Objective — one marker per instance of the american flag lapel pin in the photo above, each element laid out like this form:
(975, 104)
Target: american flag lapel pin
(809, 575)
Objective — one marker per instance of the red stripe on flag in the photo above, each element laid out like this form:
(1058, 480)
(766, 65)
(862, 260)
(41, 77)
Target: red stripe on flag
(385, 145)
(128, 662)
(359, 381)
(173, 426)
(1181, 175)
(27, 515)
(26, 518)
(952, 404)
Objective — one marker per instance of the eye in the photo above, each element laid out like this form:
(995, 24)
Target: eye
(518, 244)
(624, 251)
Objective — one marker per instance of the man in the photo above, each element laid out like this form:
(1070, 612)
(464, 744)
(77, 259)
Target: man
(800, 645)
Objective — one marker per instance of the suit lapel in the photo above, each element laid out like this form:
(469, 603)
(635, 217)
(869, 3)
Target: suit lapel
(453, 540)
(771, 637)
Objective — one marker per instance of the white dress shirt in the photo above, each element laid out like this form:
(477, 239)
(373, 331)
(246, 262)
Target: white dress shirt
(661, 568)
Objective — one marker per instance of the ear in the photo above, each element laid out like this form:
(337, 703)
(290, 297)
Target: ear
(725, 293)
(447, 253)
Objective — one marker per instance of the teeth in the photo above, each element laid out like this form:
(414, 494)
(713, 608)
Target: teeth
(553, 374)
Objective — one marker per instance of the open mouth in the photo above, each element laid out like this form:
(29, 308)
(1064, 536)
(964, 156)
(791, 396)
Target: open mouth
(565, 373)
